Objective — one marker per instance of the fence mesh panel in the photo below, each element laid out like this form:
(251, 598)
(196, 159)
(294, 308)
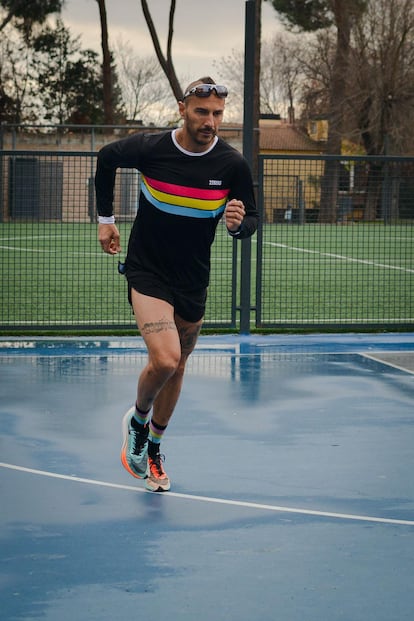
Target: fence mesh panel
(334, 248)
(336, 244)
(53, 271)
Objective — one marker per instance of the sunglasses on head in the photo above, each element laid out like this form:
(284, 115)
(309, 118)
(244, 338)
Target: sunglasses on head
(205, 90)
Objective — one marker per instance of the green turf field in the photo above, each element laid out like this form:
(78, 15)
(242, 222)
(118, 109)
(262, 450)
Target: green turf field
(56, 275)
(357, 273)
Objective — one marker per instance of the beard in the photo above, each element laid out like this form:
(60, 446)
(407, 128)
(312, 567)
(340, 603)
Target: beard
(202, 135)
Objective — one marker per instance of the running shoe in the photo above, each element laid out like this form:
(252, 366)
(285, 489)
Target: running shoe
(134, 453)
(157, 480)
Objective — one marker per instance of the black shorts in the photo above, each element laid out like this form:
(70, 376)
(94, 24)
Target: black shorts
(189, 305)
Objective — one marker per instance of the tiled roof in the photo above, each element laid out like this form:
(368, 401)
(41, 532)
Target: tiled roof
(286, 138)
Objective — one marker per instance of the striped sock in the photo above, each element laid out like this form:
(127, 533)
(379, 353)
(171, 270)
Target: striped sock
(155, 436)
(139, 419)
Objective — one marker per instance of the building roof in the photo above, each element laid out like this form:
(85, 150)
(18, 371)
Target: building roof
(285, 137)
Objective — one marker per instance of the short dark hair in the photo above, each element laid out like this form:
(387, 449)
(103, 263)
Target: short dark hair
(204, 80)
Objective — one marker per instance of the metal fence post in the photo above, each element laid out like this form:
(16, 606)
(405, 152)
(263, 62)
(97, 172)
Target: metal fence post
(248, 151)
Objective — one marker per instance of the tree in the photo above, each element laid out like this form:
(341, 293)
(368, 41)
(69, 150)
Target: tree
(18, 101)
(308, 15)
(166, 62)
(313, 16)
(281, 75)
(69, 78)
(378, 100)
(143, 85)
(85, 93)
(27, 14)
(383, 61)
(7, 107)
(107, 78)
(316, 63)
(15, 80)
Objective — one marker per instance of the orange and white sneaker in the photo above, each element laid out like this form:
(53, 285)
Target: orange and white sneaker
(157, 479)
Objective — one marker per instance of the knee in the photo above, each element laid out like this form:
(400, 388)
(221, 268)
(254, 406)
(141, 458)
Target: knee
(167, 364)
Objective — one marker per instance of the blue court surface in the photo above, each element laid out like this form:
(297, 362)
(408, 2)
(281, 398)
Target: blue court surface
(291, 459)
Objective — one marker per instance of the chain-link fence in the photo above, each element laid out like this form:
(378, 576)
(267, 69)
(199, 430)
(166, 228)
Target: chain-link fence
(336, 243)
(334, 248)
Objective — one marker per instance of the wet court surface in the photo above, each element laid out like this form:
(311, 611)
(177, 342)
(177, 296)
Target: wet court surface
(291, 460)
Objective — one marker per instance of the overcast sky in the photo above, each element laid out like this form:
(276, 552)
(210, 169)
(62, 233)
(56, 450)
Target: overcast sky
(204, 30)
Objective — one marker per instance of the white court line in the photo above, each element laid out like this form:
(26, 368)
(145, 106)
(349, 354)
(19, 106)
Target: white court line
(386, 362)
(342, 257)
(221, 501)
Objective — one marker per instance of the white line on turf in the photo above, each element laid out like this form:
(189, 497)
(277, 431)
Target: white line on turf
(21, 237)
(49, 251)
(341, 257)
(222, 501)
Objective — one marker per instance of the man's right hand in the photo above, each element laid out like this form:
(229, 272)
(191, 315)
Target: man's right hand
(109, 238)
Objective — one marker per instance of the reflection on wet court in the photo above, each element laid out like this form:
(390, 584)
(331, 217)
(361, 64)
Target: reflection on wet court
(292, 494)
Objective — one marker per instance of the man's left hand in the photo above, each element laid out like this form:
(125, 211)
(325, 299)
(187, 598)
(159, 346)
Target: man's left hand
(234, 214)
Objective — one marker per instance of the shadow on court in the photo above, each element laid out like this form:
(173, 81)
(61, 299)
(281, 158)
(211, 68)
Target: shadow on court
(292, 499)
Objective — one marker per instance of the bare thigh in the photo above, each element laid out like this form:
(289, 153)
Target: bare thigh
(156, 323)
(188, 333)
(169, 340)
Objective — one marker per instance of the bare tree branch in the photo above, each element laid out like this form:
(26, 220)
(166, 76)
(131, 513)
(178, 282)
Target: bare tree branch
(165, 62)
(106, 66)
(15, 6)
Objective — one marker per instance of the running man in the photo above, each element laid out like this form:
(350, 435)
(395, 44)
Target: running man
(190, 178)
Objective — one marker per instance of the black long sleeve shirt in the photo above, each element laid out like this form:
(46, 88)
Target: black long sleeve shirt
(183, 196)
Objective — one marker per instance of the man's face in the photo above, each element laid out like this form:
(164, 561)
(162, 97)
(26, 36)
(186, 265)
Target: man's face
(202, 118)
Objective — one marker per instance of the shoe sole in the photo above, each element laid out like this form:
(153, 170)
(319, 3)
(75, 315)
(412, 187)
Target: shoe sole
(154, 484)
(160, 488)
(125, 434)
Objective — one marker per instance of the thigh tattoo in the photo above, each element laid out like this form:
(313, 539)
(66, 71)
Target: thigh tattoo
(188, 337)
(158, 326)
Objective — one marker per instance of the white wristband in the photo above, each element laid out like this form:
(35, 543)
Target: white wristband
(106, 219)
(234, 233)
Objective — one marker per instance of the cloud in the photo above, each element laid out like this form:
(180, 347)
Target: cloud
(203, 32)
